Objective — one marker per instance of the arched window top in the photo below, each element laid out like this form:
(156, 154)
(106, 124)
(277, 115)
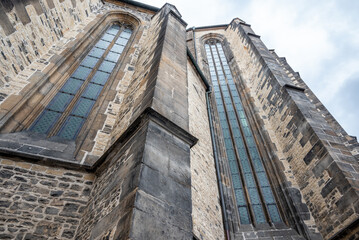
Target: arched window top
(67, 112)
(212, 41)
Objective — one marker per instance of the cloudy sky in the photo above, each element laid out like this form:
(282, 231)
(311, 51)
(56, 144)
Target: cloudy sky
(320, 40)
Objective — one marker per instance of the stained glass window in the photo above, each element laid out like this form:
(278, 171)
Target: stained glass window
(252, 192)
(71, 106)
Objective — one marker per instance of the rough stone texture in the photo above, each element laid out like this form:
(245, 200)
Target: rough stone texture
(41, 202)
(142, 189)
(159, 80)
(21, 108)
(206, 212)
(29, 29)
(323, 168)
(280, 186)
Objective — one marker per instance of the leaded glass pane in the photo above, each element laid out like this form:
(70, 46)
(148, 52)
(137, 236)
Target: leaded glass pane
(241, 201)
(107, 66)
(45, 121)
(258, 213)
(121, 41)
(249, 180)
(113, 30)
(102, 44)
(89, 62)
(117, 48)
(126, 34)
(72, 85)
(83, 107)
(108, 37)
(236, 181)
(243, 215)
(112, 56)
(267, 195)
(82, 73)
(253, 195)
(100, 77)
(60, 102)
(97, 52)
(92, 91)
(273, 213)
(71, 127)
(262, 177)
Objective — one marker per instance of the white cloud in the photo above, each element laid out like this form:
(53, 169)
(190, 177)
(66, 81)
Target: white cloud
(320, 39)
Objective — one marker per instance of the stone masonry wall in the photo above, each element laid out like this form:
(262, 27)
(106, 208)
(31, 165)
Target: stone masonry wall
(29, 29)
(206, 208)
(41, 202)
(112, 197)
(145, 66)
(323, 168)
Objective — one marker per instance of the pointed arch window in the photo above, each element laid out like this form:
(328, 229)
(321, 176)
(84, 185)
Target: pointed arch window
(256, 203)
(67, 112)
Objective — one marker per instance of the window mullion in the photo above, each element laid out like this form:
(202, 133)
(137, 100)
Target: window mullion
(243, 202)
(78, 94)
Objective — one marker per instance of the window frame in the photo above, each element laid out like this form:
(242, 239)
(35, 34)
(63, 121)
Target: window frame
(73, 103)
(211, 40)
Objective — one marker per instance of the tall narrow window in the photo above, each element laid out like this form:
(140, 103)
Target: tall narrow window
(67, 112)
(254, 197)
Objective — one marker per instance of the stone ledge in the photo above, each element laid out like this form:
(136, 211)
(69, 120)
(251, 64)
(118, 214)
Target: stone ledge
(253, 35)
(34, 147)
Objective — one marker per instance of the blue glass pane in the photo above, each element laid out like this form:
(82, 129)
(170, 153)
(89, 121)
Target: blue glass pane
(72, 85)
(126, 34)
(241, 201)
(117, 48)
(113, 57)
(121, 41)
(89, 62)
(45, 121)
(243, 215)
(71, 127)
(249, 180)
(273, 213)
(113, 30)
(102, 44)
(262, 177)
(60, 102)
(236, 181)
(97, 52)
(267, 195)
(253, 195)
(100, 77)
(83, 107)
(92, 91)
(107, 66)
(108, 37)
(245, 166)
(82, 73)
(258, 213)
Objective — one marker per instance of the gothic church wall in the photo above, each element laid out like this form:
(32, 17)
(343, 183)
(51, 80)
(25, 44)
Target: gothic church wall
(324, 170)
(206, 208)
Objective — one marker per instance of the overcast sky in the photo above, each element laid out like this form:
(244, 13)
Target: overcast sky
(320, 40)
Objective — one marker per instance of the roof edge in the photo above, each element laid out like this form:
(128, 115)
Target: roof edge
(141, 5)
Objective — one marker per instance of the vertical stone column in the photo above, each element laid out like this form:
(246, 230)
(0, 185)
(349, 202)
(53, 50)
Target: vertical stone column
(143, 189)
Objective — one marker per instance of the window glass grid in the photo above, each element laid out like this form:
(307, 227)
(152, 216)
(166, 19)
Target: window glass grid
(253, 151)
(222, 69)
(92, 87)
(242, 204)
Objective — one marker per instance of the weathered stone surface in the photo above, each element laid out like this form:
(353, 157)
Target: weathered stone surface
(33, 203)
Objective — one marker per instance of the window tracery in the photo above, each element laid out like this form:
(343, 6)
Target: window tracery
(255, 200)
(67, 112)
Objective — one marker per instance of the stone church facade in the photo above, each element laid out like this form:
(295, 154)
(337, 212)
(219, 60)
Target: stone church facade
(117, 121)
